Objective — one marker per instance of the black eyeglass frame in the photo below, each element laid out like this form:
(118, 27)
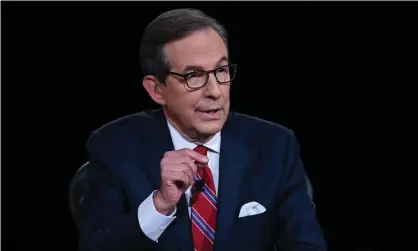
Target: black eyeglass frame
(188, 75)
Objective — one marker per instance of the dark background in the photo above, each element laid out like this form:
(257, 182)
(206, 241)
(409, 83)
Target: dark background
(335, 73)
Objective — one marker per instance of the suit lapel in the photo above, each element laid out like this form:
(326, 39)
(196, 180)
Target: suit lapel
(156, 141)
(234, 160)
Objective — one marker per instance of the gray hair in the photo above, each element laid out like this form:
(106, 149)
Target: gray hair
(168, 27)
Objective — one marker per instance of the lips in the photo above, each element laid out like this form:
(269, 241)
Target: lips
(211, 114)
(210, 110)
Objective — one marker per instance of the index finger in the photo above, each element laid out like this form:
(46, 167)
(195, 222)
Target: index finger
(195, 155)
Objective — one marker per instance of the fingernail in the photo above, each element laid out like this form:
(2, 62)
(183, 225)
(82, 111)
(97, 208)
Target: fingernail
(206, 159)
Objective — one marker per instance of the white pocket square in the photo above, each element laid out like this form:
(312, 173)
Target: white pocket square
(251, 208)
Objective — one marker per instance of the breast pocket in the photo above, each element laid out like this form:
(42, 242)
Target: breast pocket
(254, 231)
(253, 217)
(257, 218)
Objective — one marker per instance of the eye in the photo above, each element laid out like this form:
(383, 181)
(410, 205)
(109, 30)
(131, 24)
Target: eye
(195, 74)
(223, 69)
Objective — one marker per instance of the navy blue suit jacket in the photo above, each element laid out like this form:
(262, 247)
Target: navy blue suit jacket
(259, 161)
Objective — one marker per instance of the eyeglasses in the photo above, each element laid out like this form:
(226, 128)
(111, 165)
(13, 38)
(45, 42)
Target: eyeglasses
(199, 78)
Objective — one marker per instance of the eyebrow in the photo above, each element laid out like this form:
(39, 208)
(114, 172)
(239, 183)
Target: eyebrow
(197, 67)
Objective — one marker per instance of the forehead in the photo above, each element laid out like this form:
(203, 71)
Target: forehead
(202, 48)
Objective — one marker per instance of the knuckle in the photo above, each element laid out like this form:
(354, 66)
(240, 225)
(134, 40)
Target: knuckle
(163, 162)
(167, 154)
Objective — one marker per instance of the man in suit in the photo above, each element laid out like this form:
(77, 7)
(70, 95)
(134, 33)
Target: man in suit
(192, 175)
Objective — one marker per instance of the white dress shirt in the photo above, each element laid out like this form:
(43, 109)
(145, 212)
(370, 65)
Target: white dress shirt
(150, 220)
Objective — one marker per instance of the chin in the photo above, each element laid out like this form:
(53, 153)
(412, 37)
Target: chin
(210, 127)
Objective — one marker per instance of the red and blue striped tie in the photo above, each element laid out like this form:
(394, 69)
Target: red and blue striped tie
(203, 213)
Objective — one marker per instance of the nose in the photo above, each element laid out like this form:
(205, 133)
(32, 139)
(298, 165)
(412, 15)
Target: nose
(213, 89)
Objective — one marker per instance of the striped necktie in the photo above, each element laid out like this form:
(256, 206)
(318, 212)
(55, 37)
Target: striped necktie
(203, 213)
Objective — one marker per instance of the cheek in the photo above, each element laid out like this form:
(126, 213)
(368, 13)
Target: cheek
(183, 103)
(225, 91)
(177, 96)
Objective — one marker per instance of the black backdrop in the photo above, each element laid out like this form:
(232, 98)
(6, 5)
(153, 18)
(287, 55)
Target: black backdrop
(325, 70)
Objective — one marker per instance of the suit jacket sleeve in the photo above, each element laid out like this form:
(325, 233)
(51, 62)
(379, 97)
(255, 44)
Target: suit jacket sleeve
(103, 216)
(299, 228)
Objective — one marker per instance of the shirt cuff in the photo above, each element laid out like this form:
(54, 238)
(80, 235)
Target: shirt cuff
(152, 222)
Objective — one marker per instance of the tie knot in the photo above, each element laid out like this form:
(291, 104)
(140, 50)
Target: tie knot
(201, 149)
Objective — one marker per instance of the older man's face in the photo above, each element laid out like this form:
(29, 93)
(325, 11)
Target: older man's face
(202, 111)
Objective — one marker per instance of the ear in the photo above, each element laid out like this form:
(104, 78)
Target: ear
(153, 86)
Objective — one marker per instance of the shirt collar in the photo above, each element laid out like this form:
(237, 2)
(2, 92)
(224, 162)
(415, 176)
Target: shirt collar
(179, 142)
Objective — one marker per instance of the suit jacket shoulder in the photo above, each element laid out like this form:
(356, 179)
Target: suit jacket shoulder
(120, 140)
(260, 132)
(252, 122)
(129, 125)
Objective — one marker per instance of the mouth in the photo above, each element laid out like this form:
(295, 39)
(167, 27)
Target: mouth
(211, 114)
(210, 111)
